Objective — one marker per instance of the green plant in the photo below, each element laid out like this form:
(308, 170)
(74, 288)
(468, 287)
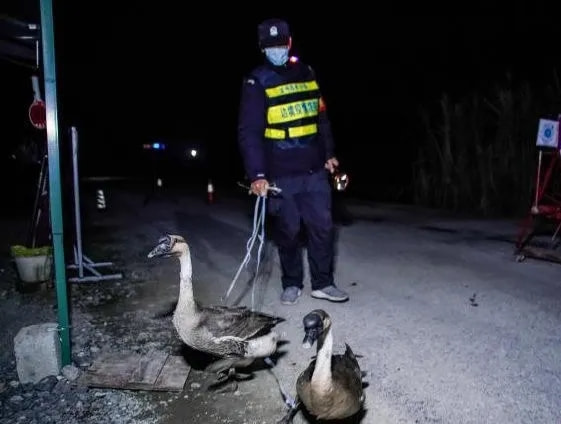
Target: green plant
(22, 251)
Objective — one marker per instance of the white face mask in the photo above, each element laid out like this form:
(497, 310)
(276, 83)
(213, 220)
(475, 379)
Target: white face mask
(277, 55)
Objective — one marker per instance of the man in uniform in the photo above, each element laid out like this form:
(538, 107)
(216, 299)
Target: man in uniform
(285, 139)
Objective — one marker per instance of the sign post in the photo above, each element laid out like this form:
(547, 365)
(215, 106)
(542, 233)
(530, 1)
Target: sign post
(49, 74)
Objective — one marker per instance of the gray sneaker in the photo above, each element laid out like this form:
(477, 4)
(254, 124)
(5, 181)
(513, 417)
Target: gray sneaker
(330, 293)
(290, 295)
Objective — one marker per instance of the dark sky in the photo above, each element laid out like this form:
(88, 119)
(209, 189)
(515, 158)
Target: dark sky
(130, 72)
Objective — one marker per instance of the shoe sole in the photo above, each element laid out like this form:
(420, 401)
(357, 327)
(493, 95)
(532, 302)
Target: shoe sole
(289, 303)
(330, 298)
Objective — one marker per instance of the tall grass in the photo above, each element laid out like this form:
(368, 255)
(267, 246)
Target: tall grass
(479, 153)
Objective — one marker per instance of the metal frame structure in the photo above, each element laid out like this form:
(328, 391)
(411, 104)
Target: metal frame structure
(19, 42)
(22, 43)
(81, 261)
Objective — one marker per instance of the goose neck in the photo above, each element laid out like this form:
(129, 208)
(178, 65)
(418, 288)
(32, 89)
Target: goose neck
(322, 370)
(186, 297)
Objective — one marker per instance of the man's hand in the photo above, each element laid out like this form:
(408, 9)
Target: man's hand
(331, 164)
(260, 187)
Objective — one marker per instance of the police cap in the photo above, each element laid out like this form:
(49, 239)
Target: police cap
(273, 32)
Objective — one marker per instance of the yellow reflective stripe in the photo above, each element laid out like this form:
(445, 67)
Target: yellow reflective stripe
(274, 133)
(291, 88)
(302, 131)
(292, 111)
(293, 132)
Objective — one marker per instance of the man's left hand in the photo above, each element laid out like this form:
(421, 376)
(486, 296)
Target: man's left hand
(331, 165)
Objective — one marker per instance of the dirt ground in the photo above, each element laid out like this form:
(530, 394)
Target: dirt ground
(132, 314)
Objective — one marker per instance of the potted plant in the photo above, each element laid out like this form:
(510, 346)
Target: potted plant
(34, 264)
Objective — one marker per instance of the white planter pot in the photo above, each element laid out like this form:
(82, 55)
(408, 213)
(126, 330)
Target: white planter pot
(34, 269)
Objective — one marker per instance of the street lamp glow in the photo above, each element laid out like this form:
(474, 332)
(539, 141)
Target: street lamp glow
(193, 153)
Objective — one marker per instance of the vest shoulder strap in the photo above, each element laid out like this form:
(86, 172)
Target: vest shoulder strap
(267, 77)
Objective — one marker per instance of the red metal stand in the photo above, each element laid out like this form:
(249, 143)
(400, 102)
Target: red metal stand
(542, 225)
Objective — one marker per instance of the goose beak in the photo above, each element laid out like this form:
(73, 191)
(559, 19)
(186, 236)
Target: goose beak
(310, 338)
(161, 250)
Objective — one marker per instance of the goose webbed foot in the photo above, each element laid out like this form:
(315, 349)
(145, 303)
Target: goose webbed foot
(224, 386)
(221, 366)
(227, 381)
(238, 376)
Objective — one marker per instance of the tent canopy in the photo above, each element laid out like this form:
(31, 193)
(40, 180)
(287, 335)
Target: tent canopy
(19, 41)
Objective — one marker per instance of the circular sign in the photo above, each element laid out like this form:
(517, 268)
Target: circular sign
(38, 114)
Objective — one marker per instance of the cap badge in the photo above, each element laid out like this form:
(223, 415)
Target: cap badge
(273, 31)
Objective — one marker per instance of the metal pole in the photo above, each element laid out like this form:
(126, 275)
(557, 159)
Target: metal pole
(49, 72)
(538, 185)
(36, 89)
(77, 202)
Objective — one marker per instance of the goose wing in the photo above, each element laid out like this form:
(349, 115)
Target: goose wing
(238, 322)
(346, 370)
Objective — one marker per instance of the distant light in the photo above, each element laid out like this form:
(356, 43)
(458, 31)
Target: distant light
(193, 153)
(146, 146)
(156, 145)
(293, 59)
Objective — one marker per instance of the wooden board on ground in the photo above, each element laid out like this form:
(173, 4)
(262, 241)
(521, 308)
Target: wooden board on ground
(541, 253)
(156, 371)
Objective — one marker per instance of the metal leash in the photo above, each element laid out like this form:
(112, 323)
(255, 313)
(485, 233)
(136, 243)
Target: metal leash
(257, 233)
(287, 399)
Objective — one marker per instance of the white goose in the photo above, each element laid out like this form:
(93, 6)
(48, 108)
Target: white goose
(237, 335)
(331, 386)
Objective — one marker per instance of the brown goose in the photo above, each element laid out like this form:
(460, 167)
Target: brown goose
(236, 335)
(330, 388)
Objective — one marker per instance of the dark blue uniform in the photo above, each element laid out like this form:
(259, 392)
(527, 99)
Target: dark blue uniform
(285, 137)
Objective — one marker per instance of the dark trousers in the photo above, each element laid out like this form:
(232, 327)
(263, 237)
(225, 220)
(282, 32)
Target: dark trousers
(304, 200)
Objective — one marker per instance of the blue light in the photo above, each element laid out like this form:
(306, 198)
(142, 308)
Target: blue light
(156, 146)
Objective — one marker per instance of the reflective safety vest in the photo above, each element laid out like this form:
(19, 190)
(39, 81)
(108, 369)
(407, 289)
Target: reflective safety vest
(292, 107)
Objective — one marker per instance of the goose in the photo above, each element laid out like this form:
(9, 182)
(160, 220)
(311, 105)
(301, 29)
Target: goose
(330, 388)
(234, 334)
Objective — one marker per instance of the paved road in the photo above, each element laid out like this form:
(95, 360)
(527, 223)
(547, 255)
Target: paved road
(450, 327)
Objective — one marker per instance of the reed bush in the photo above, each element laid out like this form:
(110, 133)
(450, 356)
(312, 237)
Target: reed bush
(479, 152)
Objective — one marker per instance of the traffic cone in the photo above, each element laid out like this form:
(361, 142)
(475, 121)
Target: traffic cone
(210, 192)
(100, 200)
